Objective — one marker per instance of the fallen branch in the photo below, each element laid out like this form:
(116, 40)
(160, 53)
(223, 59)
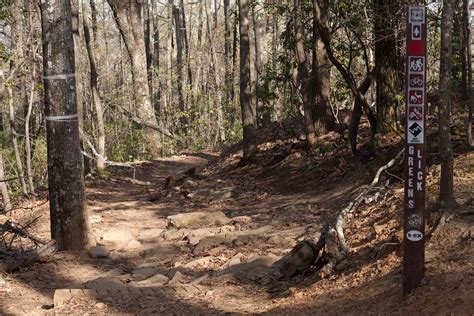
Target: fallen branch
(20, 230)
(16, 260)
(330, 249)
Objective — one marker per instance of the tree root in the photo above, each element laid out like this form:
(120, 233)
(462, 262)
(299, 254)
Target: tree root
(330, 249)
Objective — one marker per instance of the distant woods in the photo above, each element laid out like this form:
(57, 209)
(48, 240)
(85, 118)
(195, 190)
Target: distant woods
(154, 78)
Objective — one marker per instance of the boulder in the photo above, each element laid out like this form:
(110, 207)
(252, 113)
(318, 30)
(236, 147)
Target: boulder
(143, 273)
(104, 284)
(207, 243)
(98, 252)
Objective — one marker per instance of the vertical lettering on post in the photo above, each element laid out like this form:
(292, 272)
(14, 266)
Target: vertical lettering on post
(415, 150)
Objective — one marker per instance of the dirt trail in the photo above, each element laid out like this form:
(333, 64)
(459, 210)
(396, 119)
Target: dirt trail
(211, 245)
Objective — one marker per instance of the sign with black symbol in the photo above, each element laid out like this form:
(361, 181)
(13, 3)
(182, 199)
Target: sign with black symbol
(415, 113)
(414, 221)
(416, 32)
(416, 64)
(415, 80)
(415, 97)
(415, 133)
(417, 15)
(414, 235)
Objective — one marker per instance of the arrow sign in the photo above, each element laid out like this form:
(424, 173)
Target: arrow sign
(416, 32)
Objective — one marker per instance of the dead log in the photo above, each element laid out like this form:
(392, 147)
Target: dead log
(16, 260)
(330, 249)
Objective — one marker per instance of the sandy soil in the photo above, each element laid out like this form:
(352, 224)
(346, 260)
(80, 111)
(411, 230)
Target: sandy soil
(229, 267)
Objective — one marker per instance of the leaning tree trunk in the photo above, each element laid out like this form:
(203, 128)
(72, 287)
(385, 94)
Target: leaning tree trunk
(446, 193)
(248, 119)
(29, 170)
(69, 221)
(129, 22)
(3, 186)
(94, 89)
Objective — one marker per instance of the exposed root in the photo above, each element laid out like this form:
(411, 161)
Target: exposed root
(331, 247)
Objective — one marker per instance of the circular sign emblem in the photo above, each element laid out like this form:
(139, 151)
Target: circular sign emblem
(414, 235)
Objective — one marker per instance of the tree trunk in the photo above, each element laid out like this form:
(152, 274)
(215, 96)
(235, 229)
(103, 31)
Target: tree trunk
(227, 61)
(446, 191)
(128, 18)
(184, 34)
(217, 81)
(156, 58)
(304, 76)
(29, 170)
(321, 72)
(14, 135)
(179, 58)
(248, 119)
(18, 49)
(261, 60)
(148, 48)
(386, 64)
(169, 51)
(467, 69)
(96, 99)
(69, 221)
(94, 22)
(3, 186)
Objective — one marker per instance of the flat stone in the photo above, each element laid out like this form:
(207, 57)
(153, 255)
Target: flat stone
(197, 219)
(175, 234)
(98, 252)
(213, 241)
(114, 273)
(257, 267)
(178, 277)
(151, 233)
(237, 259)
(222, 194)
(158, 279)
(118, 234)
(200, 263)
(104, 284)
(143, 273)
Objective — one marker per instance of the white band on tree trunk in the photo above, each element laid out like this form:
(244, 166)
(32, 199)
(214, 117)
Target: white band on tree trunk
(62, 118)
(60, 77)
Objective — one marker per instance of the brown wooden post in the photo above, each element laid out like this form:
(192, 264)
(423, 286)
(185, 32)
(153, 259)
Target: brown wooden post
(415, 150)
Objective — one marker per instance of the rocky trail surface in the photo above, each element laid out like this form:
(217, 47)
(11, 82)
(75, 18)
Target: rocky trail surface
(195, 234)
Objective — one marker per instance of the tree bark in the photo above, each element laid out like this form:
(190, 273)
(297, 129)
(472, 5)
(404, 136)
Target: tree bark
(69, 221)
(96, 99)
(446, 191)
(323, 118)
(248, 119)
(467, 69)
(127, 15)
(304, 77)
(148, 47)
(387, 65)
(179, 58)
(156, 59)
(29, 170)
(217, 81)
(227, 61)
(261, 60)
(3, 186)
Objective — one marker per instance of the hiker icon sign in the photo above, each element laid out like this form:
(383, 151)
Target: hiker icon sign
(416, 64)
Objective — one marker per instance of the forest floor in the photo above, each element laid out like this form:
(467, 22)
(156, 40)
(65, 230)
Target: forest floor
(225, 258)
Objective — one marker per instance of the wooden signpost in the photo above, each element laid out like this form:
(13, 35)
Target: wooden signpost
(415, 150)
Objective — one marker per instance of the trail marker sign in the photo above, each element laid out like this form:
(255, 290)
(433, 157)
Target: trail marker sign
(415, 150)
